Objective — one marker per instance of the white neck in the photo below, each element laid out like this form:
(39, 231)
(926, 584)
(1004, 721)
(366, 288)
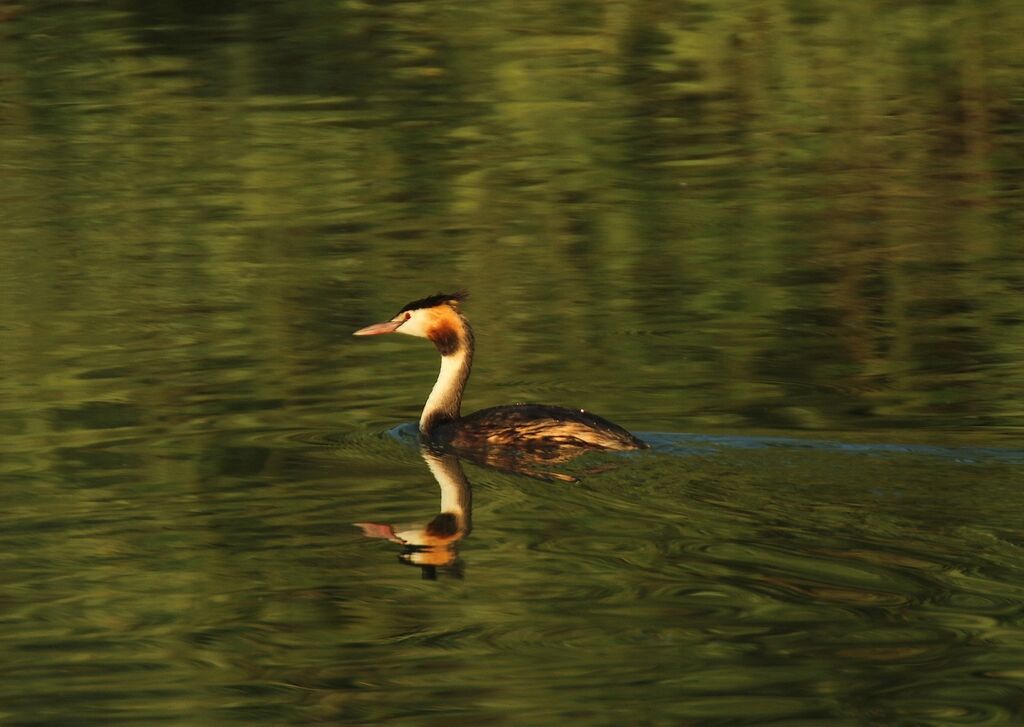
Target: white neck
(445, 401)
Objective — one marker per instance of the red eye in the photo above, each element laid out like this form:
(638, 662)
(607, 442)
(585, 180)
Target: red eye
(407, 316)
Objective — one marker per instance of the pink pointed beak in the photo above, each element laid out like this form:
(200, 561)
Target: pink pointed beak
(378, 329)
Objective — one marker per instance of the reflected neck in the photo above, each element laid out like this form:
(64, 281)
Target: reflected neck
(445, 401)
(456, 494)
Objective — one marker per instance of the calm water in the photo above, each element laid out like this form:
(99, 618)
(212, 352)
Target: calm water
(782, 242)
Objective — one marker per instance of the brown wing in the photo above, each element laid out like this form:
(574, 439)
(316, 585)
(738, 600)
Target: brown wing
(540, 426)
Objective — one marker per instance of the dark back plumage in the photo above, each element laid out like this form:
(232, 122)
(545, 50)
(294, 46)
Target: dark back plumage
(538, 425)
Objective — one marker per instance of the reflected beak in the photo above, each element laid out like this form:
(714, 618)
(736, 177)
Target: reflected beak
(378, 329)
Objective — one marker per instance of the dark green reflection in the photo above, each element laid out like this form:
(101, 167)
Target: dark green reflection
(789, 217)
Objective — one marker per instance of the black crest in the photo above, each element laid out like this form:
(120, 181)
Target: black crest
(432, 301)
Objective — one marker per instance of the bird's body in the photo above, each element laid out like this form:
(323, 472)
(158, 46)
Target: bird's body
(536, 425)
(528, 426)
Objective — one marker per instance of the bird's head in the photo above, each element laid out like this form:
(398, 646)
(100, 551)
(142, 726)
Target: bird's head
(435, 317)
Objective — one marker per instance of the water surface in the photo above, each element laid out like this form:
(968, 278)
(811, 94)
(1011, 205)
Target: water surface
(782, 243)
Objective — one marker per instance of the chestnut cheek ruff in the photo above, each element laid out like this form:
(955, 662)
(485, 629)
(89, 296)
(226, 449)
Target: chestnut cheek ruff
(445, 338)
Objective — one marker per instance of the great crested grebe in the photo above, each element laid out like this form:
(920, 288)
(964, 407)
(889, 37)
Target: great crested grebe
(438, 319)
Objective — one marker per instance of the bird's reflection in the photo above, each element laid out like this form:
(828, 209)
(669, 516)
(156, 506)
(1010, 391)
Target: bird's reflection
(432, 546)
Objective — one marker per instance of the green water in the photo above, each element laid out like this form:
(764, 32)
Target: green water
(782, 242)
